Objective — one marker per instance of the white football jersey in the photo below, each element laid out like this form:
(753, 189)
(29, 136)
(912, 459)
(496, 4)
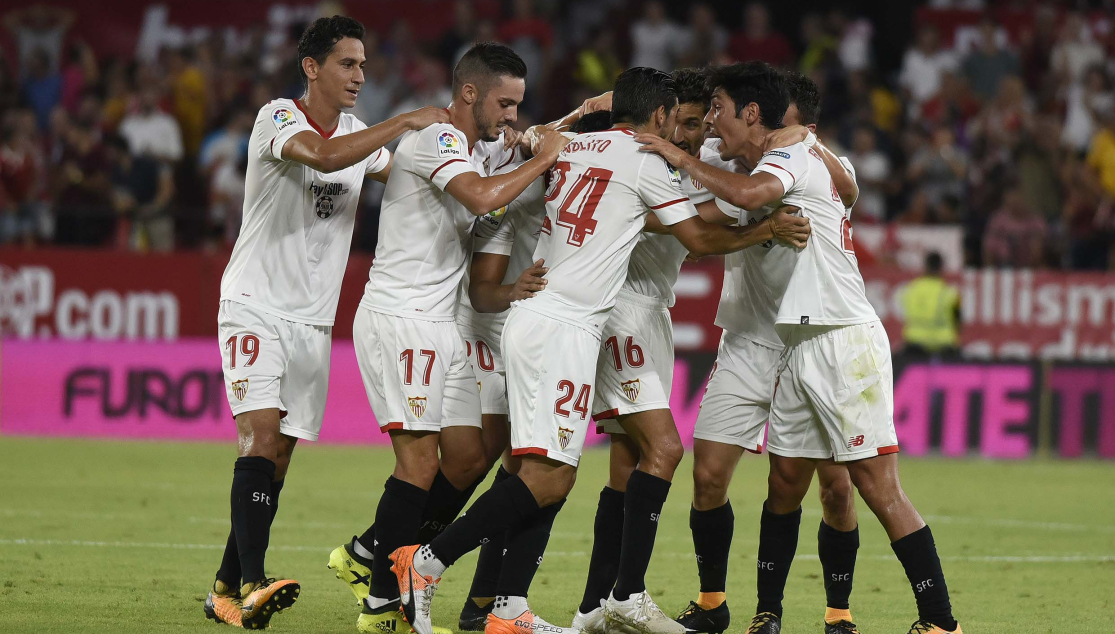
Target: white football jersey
(512, 231)
(826, 287)
(294, 239)
(424, 233)
(657, 257)
(598, 195)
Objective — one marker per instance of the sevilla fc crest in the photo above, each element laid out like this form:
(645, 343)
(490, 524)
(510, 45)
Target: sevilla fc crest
(631, 389)
(240, 389)
(417, 405)
(564, 436)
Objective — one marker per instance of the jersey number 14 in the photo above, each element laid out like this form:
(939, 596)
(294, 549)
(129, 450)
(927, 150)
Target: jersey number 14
(578, 206)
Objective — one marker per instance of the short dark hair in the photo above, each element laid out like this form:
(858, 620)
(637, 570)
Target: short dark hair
(592, 122)
(484, 62)
(639, 92)
(318, 40)
(805, 95)
(934, 263)
(754, 82)
(690, 84)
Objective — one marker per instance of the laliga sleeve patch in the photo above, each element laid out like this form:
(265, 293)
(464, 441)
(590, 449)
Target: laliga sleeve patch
(675, 175)
(449, 144)
(283, 118)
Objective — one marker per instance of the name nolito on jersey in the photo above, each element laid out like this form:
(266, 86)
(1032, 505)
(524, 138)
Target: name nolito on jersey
(324, 194)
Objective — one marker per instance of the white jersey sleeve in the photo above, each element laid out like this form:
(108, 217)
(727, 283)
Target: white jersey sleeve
(659, 187)
(788, 165)
(441, 154)
(281, 123)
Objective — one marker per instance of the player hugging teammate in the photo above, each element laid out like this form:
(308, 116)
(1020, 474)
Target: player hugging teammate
(520, 288)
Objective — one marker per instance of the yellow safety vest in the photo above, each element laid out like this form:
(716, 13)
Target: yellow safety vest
(929, 304)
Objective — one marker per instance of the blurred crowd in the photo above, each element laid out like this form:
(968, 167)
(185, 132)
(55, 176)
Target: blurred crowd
(1008, 133)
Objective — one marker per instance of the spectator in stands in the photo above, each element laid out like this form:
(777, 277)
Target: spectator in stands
(1015, 236)
(1101, 156)
(42, 88)
(873, 174)
(78, 74)
(151, 132)
(1084, 104)
(449, 46)
(656, 41)
(598, 65)
(381, 83)
(39, 28)
(931, 313)
(83, 186)
(532, 37)
(226, 200)
(22, 184)
(1076, 51)
(143, 188)
(188, 95)
(756, 40)
(705, 41)
(939, 168)
(922, 68)
(855, 40)
(988, 64)
(820, 44)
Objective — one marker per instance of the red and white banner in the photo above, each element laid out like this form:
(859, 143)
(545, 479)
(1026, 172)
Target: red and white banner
(104, 295)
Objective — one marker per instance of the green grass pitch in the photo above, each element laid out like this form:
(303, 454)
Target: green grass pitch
(122, 537)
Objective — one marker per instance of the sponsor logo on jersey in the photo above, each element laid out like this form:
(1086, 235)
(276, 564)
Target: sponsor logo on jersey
(494, 218)
(324, 207)
(805, 320)
(564, 436)
(448, 144)
(240, 389)
(631, 389)
(283, 117)
(855, 441)
(417, 405)
(675, 175)
(778, 153)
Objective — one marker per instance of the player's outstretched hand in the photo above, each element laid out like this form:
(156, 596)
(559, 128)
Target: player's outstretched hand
(425, 117)
(788, 228)
(600, 102)
(530, 282)
(550, 144)
(786, 137)
(653, 143)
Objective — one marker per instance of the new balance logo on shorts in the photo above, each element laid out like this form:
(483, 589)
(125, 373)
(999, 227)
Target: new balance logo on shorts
(855, 441)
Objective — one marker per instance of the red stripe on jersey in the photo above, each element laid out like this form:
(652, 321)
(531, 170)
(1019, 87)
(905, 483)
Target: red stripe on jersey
(612, 413)
(538, 451)
(627, 131)
(444, 164)
(672, 202)
(311, 121)
(784, 170)
(508, 161)
(390, 427)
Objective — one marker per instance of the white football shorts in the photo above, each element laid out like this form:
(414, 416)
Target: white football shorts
(551, 371)
(269, 362)
(834, 394)
(736, 404)
(416, 372)
(491, 377)
(635, 366)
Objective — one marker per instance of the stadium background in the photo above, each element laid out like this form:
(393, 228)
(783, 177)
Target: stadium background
(982, 130)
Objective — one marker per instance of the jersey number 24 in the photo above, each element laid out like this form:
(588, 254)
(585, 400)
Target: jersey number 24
(576, 209)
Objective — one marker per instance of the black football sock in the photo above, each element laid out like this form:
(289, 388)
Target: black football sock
(490, 561)
(837, 551)
(778, 540)
(526, 543)
(444, 505)
(397, 519)
(642, 506)
(501, 507)
(607, 539)
(918, 554)
(251, 513)
(712, 541)
(367, 539)
(229, 572)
